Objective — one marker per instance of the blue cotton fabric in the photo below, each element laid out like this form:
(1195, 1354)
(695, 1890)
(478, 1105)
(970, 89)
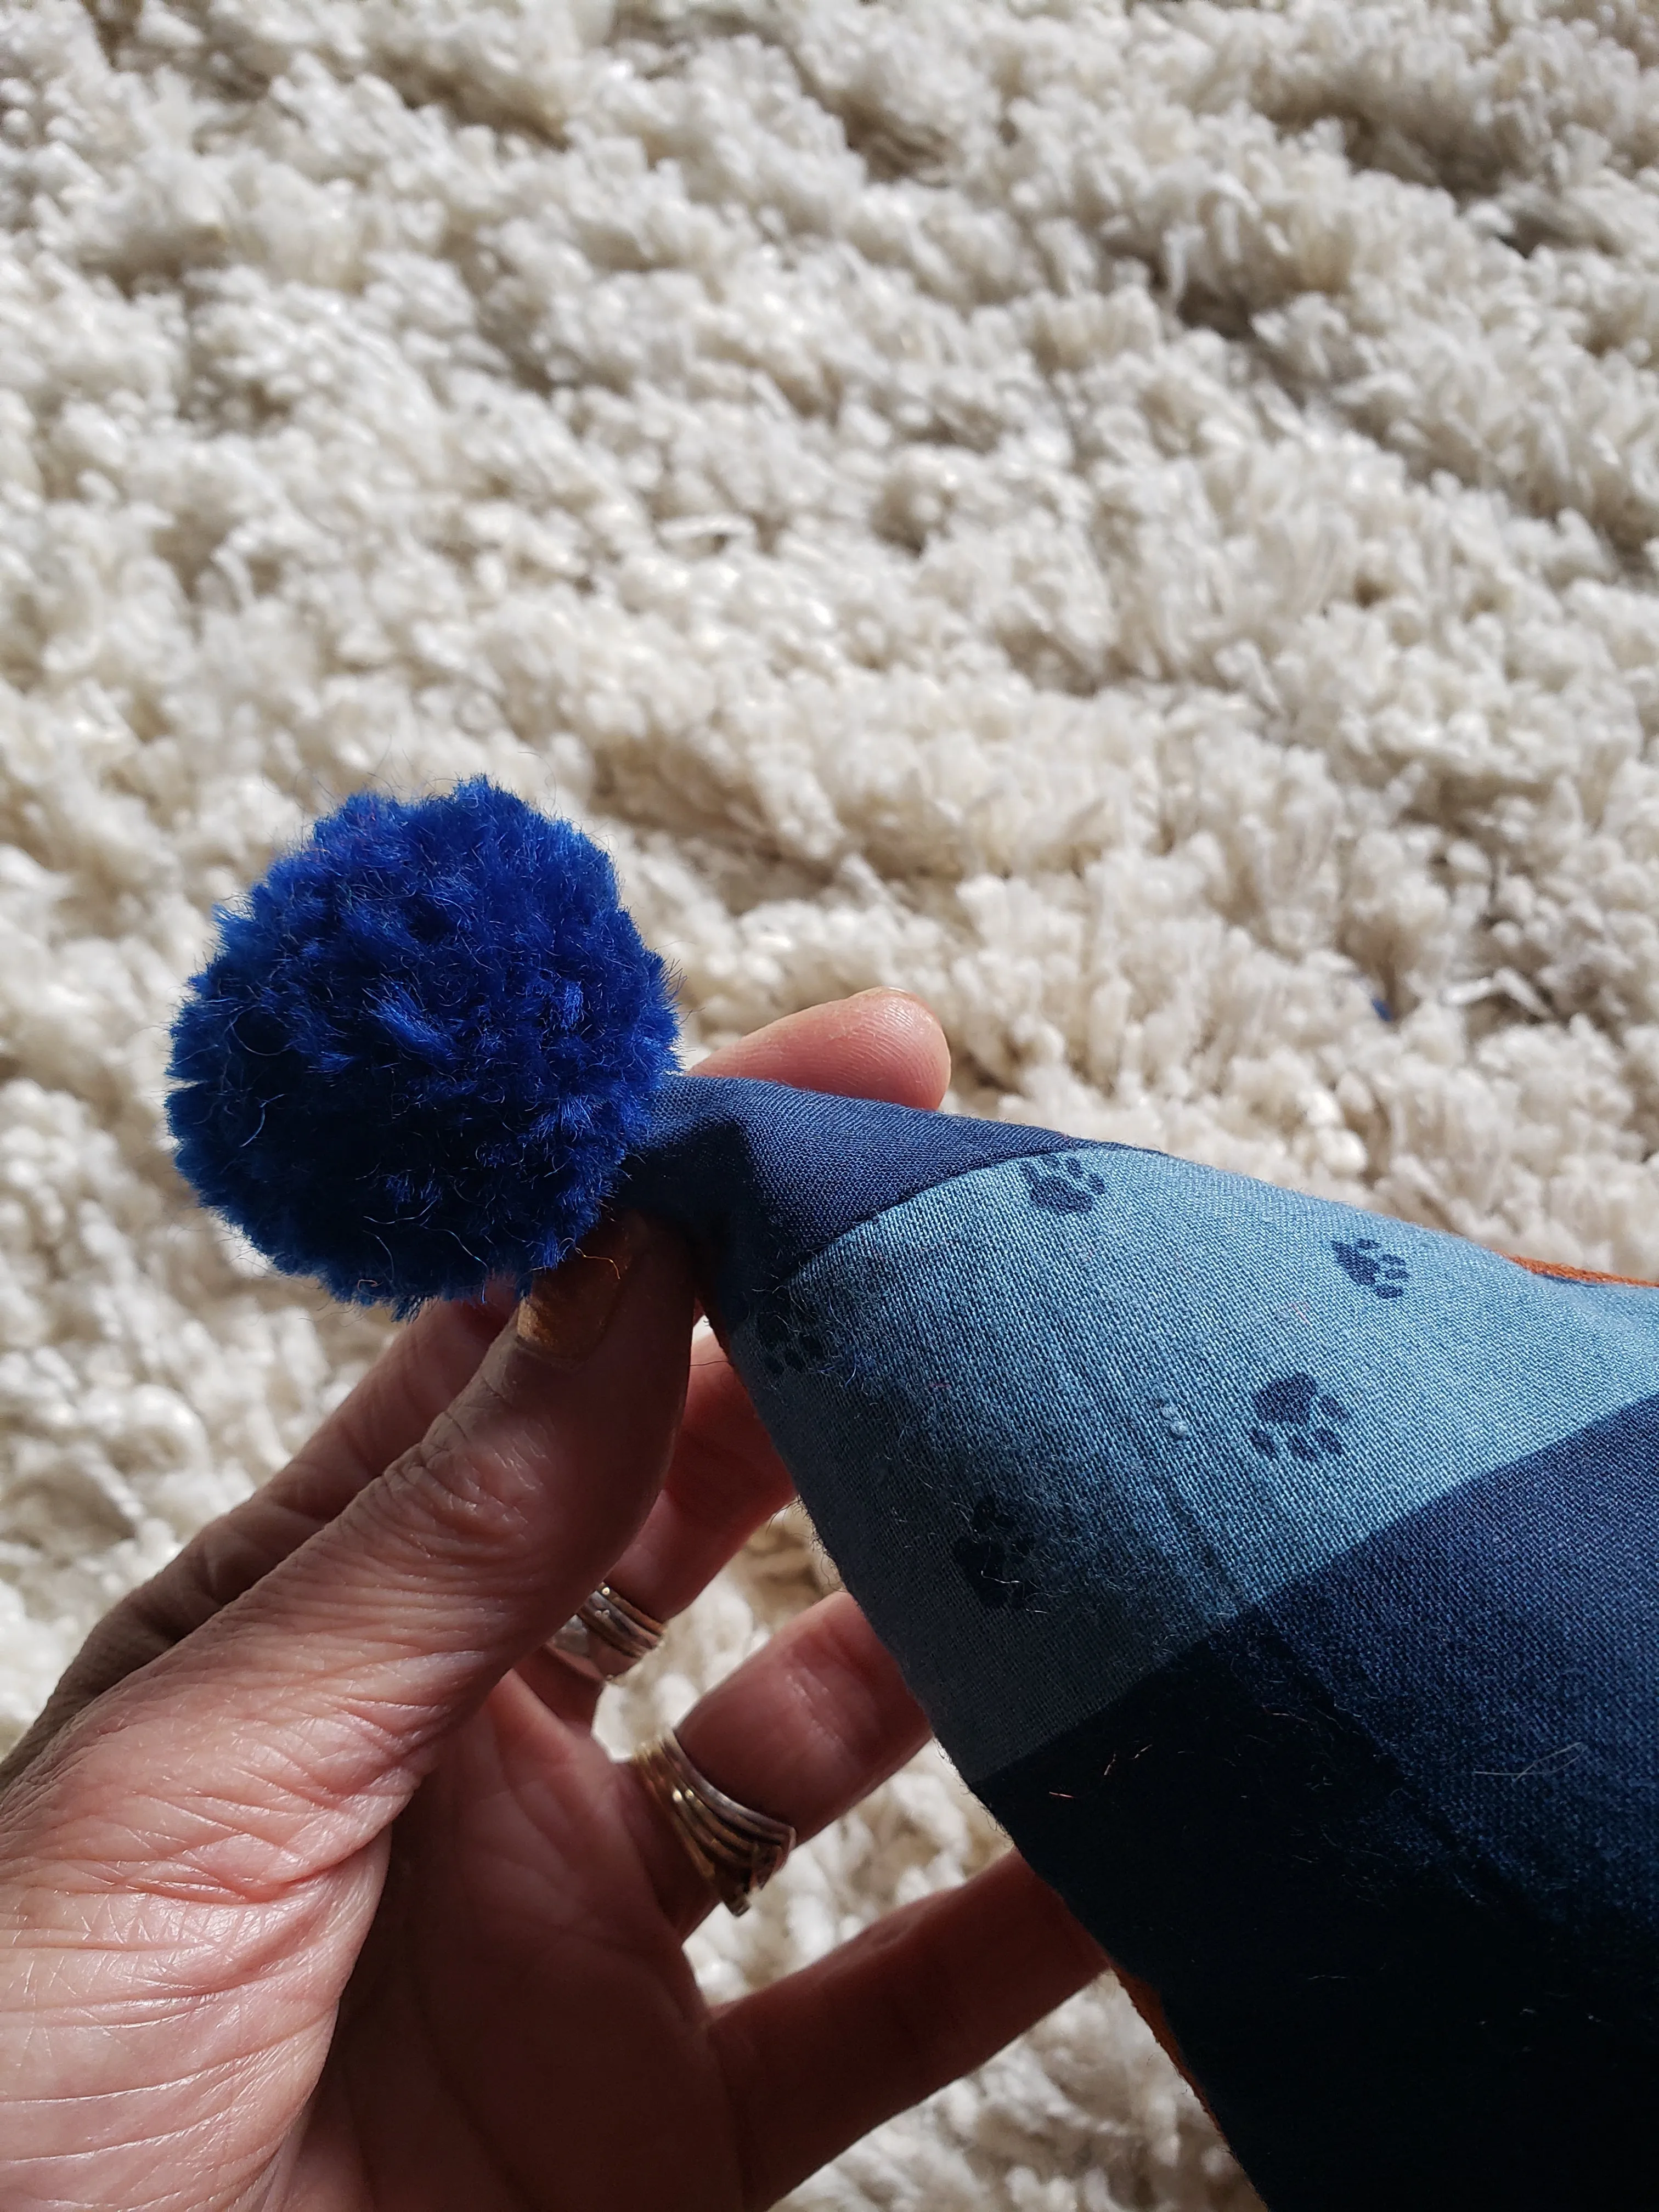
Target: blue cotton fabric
(1110, 1430)
(1385, 1846)
(763, 1177)
(1285, 1579)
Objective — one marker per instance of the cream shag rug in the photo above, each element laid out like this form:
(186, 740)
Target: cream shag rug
(1135, 522)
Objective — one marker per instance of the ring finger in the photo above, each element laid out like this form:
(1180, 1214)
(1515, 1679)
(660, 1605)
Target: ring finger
(802, 1731)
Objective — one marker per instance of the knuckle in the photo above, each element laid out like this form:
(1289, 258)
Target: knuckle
(841, 1681)
(458, 1490)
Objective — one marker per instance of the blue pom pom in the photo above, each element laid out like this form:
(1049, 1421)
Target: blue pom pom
(423, 1049)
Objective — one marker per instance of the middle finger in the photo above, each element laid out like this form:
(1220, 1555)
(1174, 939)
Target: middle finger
(723, 1480)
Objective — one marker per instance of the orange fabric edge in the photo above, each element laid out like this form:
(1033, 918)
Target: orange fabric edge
(1575, 1274)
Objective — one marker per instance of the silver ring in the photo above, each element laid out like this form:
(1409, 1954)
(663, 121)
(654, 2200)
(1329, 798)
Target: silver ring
(734, 1848)
(606, 1635)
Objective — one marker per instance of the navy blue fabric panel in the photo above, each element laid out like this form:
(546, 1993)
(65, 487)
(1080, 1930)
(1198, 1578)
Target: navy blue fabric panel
(1503, 1647)
(1388, 1847)
(762, 1177)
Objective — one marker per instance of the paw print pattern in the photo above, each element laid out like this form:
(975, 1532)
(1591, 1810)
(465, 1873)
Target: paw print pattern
(786, 1340)
(1371, 1267)
(993, 1556)
(1302, 1412)
(1059, 1184)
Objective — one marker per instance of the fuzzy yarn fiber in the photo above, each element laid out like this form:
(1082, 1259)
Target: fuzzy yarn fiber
(425, 1042)
(1134, 522)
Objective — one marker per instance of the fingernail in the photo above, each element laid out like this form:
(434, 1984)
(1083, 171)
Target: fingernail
(568, 1310)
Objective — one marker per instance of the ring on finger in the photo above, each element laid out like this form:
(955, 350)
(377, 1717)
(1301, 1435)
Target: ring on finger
(606, 1635)
(733, 1847)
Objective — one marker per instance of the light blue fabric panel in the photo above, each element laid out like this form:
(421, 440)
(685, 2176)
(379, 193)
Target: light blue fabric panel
(1058, 1418)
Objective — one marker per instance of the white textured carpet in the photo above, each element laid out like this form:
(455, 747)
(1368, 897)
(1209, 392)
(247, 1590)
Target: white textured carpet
(1135, 522)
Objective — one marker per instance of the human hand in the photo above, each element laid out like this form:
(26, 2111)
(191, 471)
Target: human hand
(316, 1890)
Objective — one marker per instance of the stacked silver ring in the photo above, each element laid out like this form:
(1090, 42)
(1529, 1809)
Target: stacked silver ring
(607, 1636)
(736, 1849)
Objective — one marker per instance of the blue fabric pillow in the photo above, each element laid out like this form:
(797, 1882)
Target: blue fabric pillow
(1284, 1579)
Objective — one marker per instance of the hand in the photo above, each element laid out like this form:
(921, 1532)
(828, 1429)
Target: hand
(316, 1890)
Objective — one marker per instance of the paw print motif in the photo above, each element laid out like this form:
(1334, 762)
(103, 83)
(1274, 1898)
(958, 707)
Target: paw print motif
(786, 1340)
(993, 1555)
(1296, 1405)
(1059, 1184)
(1371, 1267)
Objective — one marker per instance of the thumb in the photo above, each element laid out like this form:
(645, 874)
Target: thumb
(292, 1726)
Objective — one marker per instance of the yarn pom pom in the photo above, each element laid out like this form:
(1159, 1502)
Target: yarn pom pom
(423, 1049)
